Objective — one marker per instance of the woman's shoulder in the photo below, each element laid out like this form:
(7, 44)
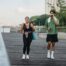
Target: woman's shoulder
(23, 24)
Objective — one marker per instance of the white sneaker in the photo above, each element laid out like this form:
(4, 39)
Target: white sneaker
(27, 56)
(23, 57)
(48, 54)
(52, 55)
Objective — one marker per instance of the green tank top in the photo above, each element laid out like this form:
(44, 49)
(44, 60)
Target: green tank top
(51, 26)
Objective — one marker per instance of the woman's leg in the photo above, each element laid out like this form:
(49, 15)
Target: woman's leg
(28, 48)
(24, 48)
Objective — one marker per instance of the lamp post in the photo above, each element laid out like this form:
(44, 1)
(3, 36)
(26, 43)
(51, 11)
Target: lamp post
(38, 24)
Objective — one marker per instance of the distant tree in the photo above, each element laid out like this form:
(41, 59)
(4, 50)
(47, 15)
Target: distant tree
(39, 20)
(62, 14)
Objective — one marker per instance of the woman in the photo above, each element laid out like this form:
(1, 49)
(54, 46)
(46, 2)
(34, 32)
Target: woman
(27, 29)
(51, 25)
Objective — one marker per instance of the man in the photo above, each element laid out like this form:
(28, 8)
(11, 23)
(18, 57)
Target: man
(51, 24)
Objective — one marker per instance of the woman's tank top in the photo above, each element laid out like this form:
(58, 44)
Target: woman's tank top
(27, 29)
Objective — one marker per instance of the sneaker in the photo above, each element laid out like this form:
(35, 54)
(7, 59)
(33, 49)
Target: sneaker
(27, 56)
(52, 55)
(23, 57)
(48, 54)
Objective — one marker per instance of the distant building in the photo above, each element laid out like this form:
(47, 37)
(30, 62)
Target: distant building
(51, 4)
(9, 29)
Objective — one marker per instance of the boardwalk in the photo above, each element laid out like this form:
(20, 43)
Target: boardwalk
(14, 45)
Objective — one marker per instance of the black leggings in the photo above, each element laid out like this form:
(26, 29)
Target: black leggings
(27, 43)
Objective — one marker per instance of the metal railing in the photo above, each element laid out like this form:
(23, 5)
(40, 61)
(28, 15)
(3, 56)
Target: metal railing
(43, 29)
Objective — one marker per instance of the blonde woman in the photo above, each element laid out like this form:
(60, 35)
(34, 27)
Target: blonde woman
(27, 29)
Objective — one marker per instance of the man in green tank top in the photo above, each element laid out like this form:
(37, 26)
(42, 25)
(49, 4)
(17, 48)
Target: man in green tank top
(51, 26)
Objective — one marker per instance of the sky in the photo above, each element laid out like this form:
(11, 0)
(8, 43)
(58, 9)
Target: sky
(13, 12)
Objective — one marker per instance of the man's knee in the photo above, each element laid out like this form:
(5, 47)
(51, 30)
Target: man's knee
(53, 44)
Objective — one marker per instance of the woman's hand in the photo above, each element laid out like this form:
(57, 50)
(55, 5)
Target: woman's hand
(33, 27)
(21, 28)
(26, 33)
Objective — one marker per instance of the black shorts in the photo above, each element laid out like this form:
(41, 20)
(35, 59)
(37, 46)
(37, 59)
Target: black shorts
(52, 38)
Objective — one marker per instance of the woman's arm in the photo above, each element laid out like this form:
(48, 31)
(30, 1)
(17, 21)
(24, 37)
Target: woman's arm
(32, 27)
(21, 29)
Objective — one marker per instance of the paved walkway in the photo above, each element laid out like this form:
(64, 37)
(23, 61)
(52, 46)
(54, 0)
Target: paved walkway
(14, 45)
(3, 54)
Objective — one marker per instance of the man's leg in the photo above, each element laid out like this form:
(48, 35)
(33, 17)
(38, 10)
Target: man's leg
(52, 50)
(53, 46)
(49, 45)
(49, 49)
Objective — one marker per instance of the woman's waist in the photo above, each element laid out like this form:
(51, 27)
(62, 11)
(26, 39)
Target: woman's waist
(28, 31)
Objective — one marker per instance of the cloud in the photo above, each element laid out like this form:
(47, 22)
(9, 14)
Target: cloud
(25, 10)
(29, 10)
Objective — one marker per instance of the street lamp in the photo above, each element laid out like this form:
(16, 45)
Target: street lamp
(39, 23)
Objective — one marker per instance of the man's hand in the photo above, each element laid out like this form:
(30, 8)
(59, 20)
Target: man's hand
(56, 21)
(49, 29)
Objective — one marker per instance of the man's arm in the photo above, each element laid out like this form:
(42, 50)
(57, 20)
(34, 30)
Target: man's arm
(56, 21)
(46, 24)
